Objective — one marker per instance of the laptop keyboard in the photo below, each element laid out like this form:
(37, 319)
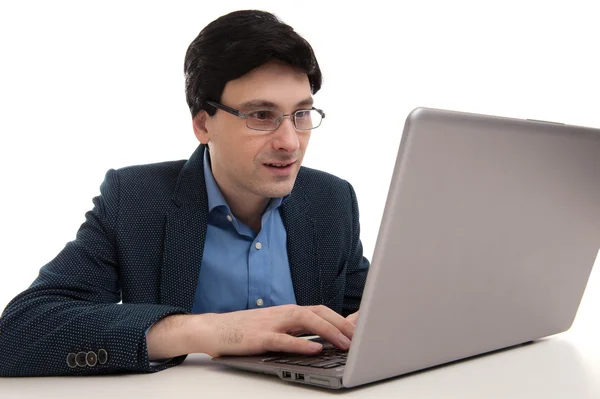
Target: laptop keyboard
(329, 357)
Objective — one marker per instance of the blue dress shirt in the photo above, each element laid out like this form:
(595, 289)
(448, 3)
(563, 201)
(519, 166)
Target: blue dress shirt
(241, 269)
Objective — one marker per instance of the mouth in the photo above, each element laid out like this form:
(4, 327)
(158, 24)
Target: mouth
(280, 167)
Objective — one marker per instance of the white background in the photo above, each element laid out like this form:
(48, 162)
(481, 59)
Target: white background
(87, 86)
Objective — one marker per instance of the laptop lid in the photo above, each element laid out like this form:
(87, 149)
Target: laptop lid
(487, 240)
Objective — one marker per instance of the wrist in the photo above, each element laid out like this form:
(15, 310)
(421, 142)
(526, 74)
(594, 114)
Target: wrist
(201, 332)
(174, 335)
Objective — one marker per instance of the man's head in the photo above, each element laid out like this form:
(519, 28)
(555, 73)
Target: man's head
(249, 61)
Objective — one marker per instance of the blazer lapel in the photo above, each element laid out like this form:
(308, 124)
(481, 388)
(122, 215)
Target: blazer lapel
(302, 247)
(185, 233)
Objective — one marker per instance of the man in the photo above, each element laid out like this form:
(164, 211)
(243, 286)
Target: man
(235, 251)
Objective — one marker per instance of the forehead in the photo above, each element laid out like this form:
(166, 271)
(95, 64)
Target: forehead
(281, 85)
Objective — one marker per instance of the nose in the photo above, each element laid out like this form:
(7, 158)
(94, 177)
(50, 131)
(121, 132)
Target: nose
(286, 136)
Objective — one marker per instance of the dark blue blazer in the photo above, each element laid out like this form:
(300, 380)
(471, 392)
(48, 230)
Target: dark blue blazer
(142, 245)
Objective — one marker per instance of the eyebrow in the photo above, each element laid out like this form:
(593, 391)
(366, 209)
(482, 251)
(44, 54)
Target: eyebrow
(257, 103)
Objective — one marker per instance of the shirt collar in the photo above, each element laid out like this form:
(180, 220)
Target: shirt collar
(215, 196)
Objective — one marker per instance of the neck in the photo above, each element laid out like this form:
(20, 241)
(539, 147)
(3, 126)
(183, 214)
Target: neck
(246, 207)
(247, 210)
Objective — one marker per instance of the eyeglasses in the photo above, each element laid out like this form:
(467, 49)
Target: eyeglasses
(268, 119)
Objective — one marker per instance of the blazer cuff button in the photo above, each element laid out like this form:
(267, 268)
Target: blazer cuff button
(80, 359)
(71, 360)
(91, 359)
(102, 356)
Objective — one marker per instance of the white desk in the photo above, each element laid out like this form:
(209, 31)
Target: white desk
(553, 368)
(563, 366)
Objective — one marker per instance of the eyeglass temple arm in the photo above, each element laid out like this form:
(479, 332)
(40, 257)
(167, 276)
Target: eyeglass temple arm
(225, 108)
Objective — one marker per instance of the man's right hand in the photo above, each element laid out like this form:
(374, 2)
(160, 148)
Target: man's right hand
(248, 332)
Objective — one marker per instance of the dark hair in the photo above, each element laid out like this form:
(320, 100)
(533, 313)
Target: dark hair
(235, 44)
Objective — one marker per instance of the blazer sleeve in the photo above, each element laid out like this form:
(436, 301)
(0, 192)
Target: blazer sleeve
(358, 265)
(70, 321)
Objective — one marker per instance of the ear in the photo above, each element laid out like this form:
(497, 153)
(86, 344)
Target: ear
(200, 128)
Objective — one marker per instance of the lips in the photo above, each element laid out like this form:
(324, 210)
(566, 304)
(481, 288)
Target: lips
(280, 165)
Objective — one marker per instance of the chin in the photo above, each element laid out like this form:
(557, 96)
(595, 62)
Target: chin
(278, 191)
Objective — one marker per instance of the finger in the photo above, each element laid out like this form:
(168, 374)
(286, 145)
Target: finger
(277, 342)
(345, 325)
(352, 318)
(304, 318)
(298, 333)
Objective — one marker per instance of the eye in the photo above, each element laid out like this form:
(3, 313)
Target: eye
(262, 115)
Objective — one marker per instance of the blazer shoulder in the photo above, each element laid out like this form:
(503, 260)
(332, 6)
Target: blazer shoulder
(153, 180)
(166, 172)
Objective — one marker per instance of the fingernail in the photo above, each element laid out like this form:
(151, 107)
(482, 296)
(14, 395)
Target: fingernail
(314, 346)
(344, 341)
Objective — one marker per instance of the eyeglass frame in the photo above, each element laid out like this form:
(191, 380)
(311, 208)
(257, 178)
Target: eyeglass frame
(245, 116)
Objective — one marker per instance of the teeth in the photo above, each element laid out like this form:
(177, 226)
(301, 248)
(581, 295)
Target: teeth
(276, 165)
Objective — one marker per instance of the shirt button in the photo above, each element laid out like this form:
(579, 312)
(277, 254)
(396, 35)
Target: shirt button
(258, 245)
(259, 302)
(229, 218)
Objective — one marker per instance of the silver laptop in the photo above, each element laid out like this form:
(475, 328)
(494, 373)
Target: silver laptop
(488, 237)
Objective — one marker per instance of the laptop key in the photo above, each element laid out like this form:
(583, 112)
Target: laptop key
(325, 363)
(296, 361)
(310, 362)
(330, 366)
(270, 359)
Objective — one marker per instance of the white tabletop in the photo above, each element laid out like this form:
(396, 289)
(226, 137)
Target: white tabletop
(558, 367)
(563, 366)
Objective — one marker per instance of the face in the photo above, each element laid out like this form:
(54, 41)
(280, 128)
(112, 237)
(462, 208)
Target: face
(242, 158)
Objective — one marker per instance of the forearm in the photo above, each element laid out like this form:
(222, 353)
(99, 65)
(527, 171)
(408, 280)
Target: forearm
(37, 335)
(178, 335)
